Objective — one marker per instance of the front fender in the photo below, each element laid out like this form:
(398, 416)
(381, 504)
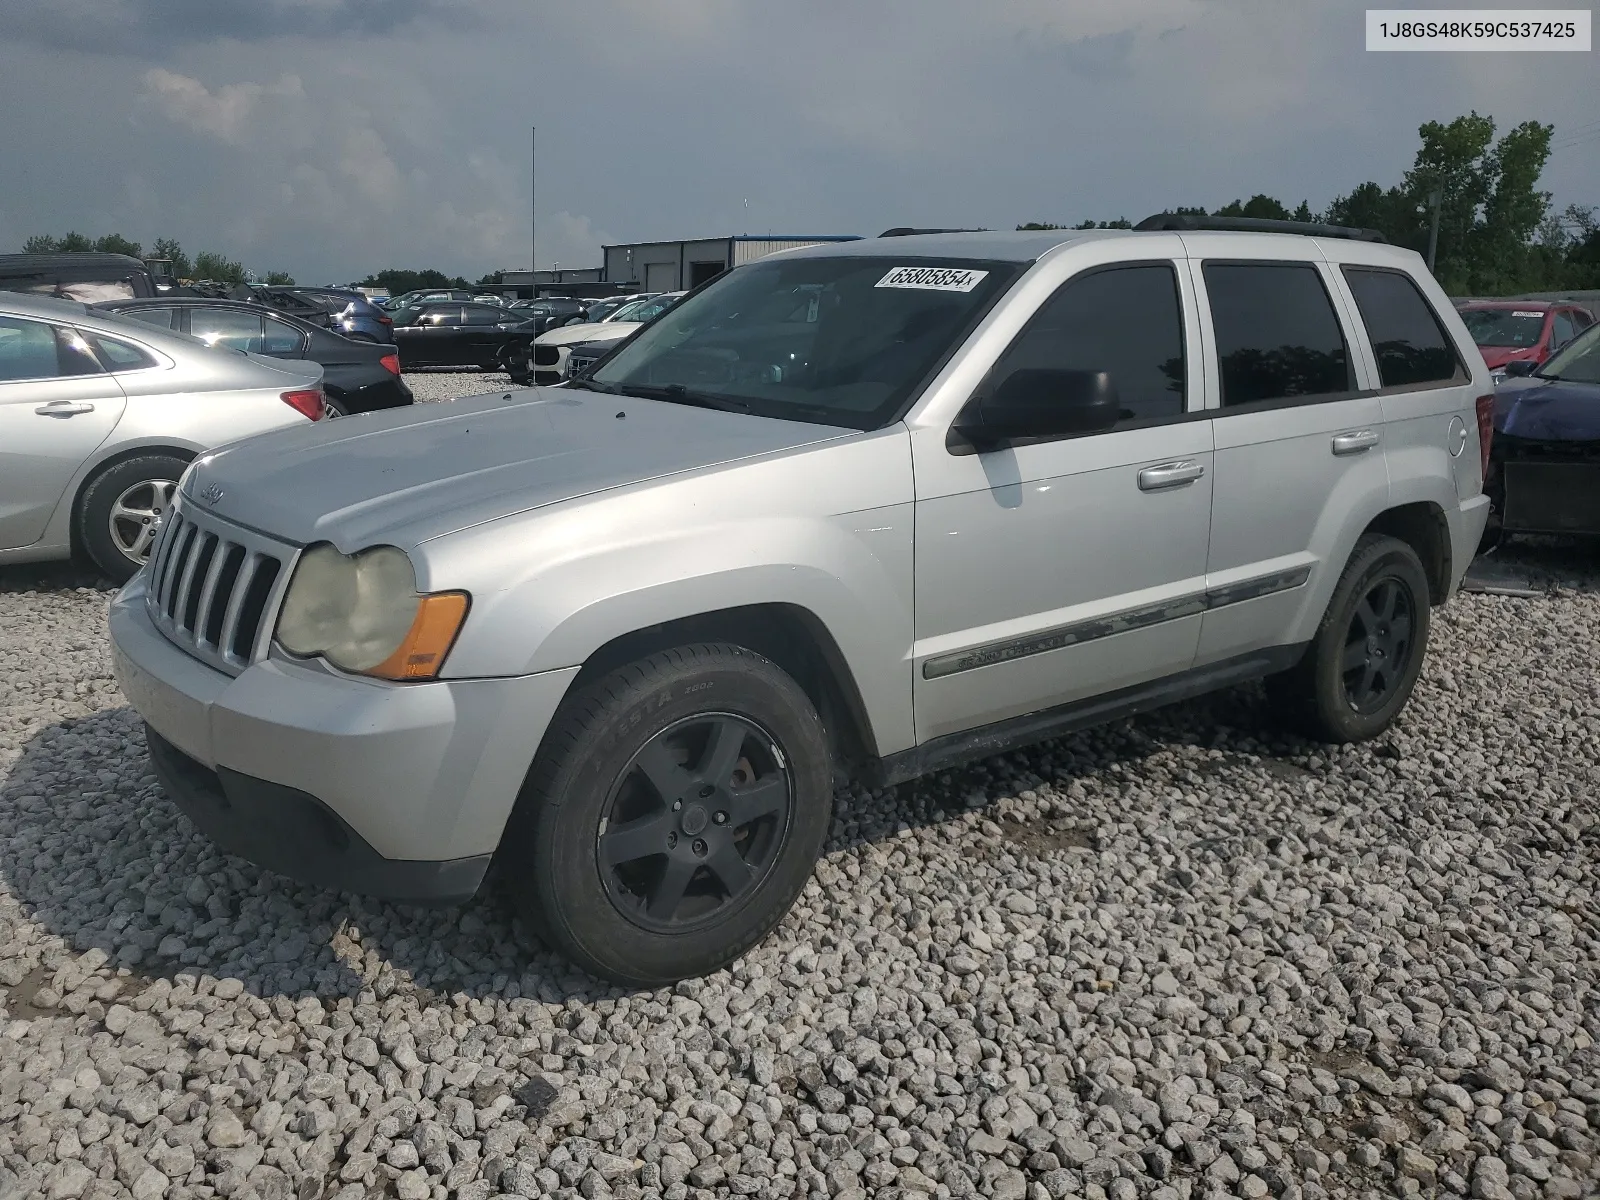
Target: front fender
(829, 532)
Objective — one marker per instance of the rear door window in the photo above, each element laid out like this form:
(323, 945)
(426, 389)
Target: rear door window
(1408, 341)
(161, 316)
(27, 350)
(1278, 337)
(226, 327)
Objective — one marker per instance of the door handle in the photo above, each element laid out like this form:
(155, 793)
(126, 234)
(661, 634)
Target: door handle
(1169, 475)
(64, 408)
(1355, 443)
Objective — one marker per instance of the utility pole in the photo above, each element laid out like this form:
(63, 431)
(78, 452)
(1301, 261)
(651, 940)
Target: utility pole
(533, 196)
(1435, 198)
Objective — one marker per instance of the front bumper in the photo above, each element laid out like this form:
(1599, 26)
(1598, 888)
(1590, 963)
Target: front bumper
(394, 790)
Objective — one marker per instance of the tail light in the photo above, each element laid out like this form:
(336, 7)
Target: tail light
(390, 363)
(1485, 429)
(308, 403)
(385, 320)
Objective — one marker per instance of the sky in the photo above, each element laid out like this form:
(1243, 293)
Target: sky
(333, 138)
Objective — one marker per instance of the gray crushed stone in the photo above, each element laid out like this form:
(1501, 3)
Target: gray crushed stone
(1183, 956)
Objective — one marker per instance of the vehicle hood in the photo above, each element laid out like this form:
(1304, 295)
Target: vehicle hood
(1495, 357)
(1551, 410)
(405, 475)
(589, 331)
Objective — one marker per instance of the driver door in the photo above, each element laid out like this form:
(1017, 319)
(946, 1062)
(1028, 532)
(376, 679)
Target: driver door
(1054, 572)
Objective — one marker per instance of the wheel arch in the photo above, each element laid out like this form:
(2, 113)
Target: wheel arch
(1422, 525)
(790, 636)
(73, 501)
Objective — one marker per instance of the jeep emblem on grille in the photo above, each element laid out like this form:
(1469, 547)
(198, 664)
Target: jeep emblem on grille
(212, 494)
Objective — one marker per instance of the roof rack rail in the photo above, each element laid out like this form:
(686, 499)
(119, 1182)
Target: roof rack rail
(908, 231)
(1185, 222)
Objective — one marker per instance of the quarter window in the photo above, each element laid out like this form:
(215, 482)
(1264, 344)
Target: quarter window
(1409, 343)
(1562, 331)
(119, 355)
(1126, 321)
(1278, 337)
(279, 337)
(75, 355)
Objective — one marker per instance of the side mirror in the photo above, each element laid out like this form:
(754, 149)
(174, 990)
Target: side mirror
(1521, 366)
(1041, 402)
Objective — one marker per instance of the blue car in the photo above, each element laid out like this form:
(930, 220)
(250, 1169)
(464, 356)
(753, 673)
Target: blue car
(1544, 459)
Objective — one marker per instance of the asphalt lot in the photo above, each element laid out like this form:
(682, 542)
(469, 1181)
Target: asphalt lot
(1182, 956)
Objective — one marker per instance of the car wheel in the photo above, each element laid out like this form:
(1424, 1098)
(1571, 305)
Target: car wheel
(1366, 656)
(516, 360)
(121, 510)
(672, 816)
(334, 405)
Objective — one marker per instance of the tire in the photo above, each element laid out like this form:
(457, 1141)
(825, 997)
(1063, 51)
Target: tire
(514, 360)
(580, 851)
(139, 490)
(1326, 694)
(335, 405)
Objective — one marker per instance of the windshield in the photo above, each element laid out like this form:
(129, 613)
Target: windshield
(1579, 362)
(1515, 327)
(838, 340)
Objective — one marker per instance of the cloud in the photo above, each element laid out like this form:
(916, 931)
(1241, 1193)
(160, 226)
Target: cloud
(145, 27)
(224, 113)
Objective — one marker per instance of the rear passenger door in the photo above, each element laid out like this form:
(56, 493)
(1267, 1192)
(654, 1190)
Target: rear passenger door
(1299, 447)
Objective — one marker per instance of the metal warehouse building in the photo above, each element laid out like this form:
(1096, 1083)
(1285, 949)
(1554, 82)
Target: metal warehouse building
(674, 266)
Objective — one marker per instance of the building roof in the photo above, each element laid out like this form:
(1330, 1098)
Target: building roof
(743, 237)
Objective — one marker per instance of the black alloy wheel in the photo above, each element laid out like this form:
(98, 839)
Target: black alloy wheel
(1378, 644)
(695, 822)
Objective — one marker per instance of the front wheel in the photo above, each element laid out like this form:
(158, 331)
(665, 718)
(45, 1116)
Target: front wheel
(516, 360)
(121, 510)
(1366, 656)
(672, 816)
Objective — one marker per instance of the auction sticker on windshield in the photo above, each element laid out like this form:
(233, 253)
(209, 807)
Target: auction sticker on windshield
(932, 279)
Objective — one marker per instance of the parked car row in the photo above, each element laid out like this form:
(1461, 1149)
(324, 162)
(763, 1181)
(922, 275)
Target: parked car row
(1516, 336)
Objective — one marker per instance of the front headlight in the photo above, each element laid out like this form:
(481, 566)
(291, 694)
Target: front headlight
(363, 614)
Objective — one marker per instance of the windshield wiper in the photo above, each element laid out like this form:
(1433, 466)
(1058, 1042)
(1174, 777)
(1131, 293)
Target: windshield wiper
(589, 385)
(676, 393)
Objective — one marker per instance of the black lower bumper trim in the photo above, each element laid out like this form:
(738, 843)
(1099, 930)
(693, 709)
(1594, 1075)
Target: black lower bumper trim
(295, 834)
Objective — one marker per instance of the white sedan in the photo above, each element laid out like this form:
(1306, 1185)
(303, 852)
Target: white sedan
(549, 358)
(99, 417)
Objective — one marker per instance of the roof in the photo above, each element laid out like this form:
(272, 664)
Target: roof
(47, 307)
(31, 264)
(1530, 305)
(736, 237)
(996, 246)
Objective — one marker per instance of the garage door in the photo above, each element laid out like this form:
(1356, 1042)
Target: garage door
(661, 277)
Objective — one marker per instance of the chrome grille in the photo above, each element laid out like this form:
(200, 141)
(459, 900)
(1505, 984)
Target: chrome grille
(577, 364)
(213, 587)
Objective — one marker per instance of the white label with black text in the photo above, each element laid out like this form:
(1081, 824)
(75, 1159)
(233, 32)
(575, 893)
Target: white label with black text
(933, 279)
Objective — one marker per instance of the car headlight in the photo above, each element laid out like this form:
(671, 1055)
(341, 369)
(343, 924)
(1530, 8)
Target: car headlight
(362, 613)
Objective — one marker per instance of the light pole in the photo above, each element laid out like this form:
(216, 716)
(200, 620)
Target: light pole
(533, 190)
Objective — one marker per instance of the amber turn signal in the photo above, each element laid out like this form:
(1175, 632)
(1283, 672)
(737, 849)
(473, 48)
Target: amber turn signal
(433, 631)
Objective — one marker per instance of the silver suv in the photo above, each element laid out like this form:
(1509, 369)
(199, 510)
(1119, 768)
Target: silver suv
(865, 510)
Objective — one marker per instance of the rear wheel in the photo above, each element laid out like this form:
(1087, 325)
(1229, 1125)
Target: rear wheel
(121, 510)
(516, 360)
(1362, 664)
(672, 816)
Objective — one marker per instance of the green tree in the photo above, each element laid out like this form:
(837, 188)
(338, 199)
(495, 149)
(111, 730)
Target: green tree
(279, 279)
(1303, 213)
(1041, 225)
(115, 243)
(398, 281)
(169, 248)
(74, 243)
(492, 279)
(1259, 205)
(216, 267)
(41, 243)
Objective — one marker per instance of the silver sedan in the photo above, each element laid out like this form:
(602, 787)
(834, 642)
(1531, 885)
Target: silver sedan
(99, 416)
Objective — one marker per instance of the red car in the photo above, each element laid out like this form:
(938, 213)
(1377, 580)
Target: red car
(1529, 331)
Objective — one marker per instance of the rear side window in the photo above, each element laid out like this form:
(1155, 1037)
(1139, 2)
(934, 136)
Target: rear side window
(1278, 337)
(1407, 339)
(479, 314)
(1126, 321)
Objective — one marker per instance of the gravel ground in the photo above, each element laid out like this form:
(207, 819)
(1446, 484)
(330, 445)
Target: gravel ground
(447, 385)
(1178, 957)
